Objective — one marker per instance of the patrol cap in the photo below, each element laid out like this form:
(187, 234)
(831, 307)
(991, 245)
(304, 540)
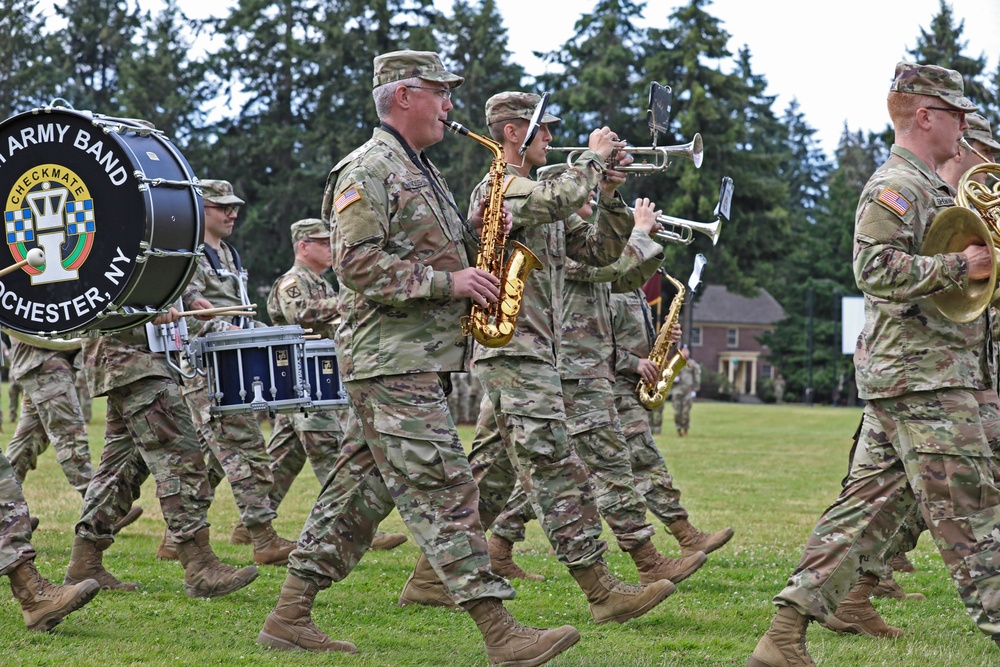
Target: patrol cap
(512, 104)
(979, 130)
(944, 84)
(218, 192)
(309, 228)
(400, 65)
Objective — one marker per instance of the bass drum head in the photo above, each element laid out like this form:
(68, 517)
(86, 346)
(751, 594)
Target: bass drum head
(74, 184)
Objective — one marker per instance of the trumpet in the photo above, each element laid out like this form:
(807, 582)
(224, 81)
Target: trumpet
(682, 231)
(693, 150)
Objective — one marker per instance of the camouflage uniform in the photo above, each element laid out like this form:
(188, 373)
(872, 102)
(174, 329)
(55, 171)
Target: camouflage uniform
(82, 393)
(48, 380)
(233, 442)
(396, 243)
(15, 527)
(687, 383)
(14, 400)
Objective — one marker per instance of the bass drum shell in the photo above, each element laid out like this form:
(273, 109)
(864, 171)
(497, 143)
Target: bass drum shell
(118, 204)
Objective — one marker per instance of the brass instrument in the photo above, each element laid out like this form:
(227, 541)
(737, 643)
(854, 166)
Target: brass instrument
(683, 230)
(664, 354)
(493, 326)
(693, 150)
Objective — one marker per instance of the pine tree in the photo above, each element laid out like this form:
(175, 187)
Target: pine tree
(943, 45)
(26, 78)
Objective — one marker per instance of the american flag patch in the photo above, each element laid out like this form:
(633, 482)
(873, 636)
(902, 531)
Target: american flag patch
(894, 200)
(346, 198)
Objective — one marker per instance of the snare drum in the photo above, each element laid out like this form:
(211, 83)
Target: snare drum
(325, 387)
(253, 370)
(115, 208)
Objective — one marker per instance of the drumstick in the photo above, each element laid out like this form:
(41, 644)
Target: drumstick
(222, 310)
(312, 337)
(35, 258)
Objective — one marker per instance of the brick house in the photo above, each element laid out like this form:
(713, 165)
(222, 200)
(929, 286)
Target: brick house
(724, 330)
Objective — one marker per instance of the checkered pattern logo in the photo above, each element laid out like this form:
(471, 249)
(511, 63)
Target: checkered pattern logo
(19, 225)
(80, 217)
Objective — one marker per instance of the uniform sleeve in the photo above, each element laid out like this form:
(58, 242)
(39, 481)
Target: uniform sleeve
(196, 290)
(543, 202)
(290, 302)
(640, 260)
(602, 242)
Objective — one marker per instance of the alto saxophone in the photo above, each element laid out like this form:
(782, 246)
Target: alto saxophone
(652, 396)
(493, 326)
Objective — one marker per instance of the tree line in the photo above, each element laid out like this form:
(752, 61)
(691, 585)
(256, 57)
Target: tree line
(284, 91)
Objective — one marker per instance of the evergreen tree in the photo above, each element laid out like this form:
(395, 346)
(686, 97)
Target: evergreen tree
(26, 78)
(943, 45)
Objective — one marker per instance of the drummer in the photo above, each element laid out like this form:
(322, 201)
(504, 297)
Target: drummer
(232, 443)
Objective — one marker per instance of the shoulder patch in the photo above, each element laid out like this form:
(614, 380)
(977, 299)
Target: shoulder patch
(894, 201)
(349, 196)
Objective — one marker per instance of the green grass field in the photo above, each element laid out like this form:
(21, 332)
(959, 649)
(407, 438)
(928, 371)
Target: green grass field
(768, 471)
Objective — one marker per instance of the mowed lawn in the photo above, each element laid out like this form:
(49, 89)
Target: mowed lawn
(768, 471)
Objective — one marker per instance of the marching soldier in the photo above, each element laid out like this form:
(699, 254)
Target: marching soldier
(686, 386)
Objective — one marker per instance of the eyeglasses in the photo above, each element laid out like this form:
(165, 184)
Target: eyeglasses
(956, 111)
(310, 239)
(231, 209)
(443, 93)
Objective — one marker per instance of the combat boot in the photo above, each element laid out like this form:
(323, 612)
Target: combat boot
(784, 644)
(240, 535)
(510, 644)
(654, 566)
(130, 517)
(387, 541)
(890, 588)
(44, 604)
(857, 616)
(692, 540)
(289, 626)
(268, 547)
(612, 599)
(502, 562)
(900, 563)
(33, 520)
(86, 561)
(424, 587)
(204, 575)
(167, 549)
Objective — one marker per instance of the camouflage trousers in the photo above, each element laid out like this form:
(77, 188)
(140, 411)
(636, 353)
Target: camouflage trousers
(927, 449)
(51, 405)
(401, 447)
(521, 435)
(13, 400)
(296, 437)
(149, 430)
(234, 447)
(15, 528)
(655, 418)
(682, 409)
(84, 397)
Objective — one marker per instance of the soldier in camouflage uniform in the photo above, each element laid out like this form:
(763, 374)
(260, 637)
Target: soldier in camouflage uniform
(397, 238)
(687, 384)
(522, 378)
(302, 296)
(149, 430)
(14, 400)
(232, 441)
(925, 439)
(43, 605)
(82, 393)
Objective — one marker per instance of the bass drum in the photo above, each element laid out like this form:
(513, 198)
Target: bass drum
(115, 208)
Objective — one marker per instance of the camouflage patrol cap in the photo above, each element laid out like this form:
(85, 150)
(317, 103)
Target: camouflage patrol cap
(218, 192)
(310, 228)
(979, 130)
(934, 81)
(512, 104)
(400, 65)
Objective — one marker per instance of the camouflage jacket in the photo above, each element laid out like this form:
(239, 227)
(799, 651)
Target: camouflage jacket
(116, 360)
(689, 379)
(303, 297)
(396, 242)
(906, 345)
(221, 287)
(545, 221)
(25, 357)
(632, 322)
(588, 340)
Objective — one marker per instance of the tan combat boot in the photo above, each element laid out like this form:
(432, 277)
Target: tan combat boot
(268, 547)
(387, 541)
(33, 520)
(654, 566)
(130, 517)
(692, 540)
(424, 587)
(503, 562)
(240, 535)
(510, 644)
(857, 616)
(43, 604)
(289, 626)
(167, 549)
(890, 588)
(204, 575)
(784, 644)
(900, 563)
(612, 599)
(86, 561)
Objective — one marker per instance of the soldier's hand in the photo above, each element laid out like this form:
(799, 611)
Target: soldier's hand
(480, 286)
(604, 142)
(645, 216)
(202, 304)
(675, 333)
(979, 260)
(478, 218)
(169, 317)
(649, 371)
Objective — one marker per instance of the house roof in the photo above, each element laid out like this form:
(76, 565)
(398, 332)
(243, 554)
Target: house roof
(717, 304)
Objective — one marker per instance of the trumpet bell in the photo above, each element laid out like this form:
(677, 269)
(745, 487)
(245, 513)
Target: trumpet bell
(953, 230)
